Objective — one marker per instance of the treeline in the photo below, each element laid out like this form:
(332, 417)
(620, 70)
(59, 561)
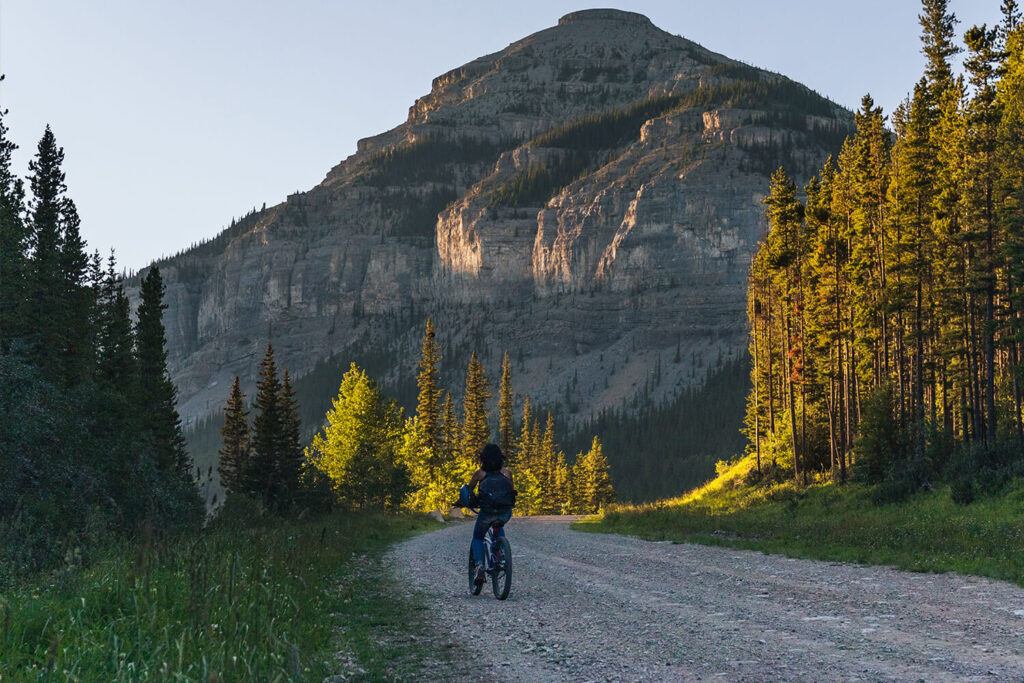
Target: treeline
(589, 141)
(659, 450)
(90, 440)
(886, 305)
(369, 455)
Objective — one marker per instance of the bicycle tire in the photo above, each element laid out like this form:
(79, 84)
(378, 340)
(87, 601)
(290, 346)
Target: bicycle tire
(501, 579)
(474, 587)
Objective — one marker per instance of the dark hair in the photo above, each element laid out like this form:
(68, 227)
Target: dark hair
(490, 457)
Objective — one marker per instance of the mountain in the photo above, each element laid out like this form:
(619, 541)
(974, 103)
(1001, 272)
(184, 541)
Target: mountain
(588, 198)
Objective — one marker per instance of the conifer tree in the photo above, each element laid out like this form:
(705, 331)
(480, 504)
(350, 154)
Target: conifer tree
(451, 430)
(268, 425)
(290, 450)
(117, 367)
(475, 430)
(546, 467)
(428, 408)
(234, 453)
(596, 485)
(13, 243)
(505, 401)
(47, 311)
(527, 448)
(160, 419)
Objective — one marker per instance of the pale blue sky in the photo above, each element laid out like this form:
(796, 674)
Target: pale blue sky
(176, 116)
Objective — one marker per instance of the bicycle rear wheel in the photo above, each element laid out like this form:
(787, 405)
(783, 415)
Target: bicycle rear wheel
(474, 587)
(501, 578)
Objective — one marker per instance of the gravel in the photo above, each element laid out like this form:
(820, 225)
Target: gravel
(597, 607)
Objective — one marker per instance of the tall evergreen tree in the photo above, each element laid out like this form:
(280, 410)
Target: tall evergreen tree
(234, 453)
(157, 392)
(290, 450)
(596, 484)
(475, 430)
(47, 310)
(428, 408)
(116, 365)
(13, 243)
(505, 401)
(268, 425)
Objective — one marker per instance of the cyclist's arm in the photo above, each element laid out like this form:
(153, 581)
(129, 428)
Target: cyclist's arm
(476, 478)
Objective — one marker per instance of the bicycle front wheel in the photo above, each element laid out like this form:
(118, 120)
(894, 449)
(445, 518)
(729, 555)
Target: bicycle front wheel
(501, 578)
(474, 587)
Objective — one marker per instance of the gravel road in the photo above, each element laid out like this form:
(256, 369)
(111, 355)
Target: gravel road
(596, 607)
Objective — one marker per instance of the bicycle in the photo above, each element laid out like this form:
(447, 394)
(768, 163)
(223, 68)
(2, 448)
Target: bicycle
(497, 562)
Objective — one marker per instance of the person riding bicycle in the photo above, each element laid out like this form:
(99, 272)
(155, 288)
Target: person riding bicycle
(495, 497)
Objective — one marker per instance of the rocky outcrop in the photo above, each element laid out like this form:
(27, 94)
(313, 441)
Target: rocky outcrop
(636, 261)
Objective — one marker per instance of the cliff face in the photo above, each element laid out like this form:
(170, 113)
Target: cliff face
(588, 197)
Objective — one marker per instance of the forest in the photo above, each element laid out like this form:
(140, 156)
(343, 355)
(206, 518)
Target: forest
(90, 441)
(886, 303)
(368, 455)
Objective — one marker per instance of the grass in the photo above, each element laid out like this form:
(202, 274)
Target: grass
(927, 532)
(249, 598)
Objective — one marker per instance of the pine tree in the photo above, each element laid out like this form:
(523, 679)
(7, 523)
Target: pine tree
(475, 430)
(116, 365)
(546, 465)
(451, 430)
(268, 425)
(597, 491)
(428, 408)
(157, 395)
(290, 450)
(13, 244)
(505, 401)
(47, 311)
(526, 454)
(234, 453)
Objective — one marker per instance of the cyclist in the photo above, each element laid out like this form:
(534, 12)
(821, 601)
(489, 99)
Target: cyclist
(496, 496)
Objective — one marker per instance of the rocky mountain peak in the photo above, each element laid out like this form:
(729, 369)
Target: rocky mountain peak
(587, 198)
(608, 14)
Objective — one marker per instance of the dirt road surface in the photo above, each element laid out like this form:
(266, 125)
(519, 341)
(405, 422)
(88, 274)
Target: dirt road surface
(596, 607)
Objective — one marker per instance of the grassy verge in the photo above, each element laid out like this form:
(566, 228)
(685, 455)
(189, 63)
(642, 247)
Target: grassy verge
(927, 532)
(247, 599)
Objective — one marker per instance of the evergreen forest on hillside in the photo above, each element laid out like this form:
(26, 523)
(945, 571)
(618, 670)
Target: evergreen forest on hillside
(369, 455)
(90, 440)
(887, 301)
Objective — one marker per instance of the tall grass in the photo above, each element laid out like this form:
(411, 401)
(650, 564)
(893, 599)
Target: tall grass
(249, 598)
(926, 532)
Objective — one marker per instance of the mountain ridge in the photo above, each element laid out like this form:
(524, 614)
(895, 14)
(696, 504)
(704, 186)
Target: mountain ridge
(589, 195)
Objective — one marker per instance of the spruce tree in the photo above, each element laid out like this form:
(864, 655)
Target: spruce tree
(235, 448)
(116, 365)
(268, 425)
(597, 485)
(157, 394)
(451, 430)
(475, 430)
(47, 311)
(290, 456)
(13, 244)
(546, 466)
(527, 449)
(505, 401)
(428, 408)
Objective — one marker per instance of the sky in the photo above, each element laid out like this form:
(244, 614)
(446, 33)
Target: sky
(177, 116)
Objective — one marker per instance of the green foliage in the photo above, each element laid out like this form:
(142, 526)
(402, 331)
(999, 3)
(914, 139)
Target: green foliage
(235, 449)
(660, 450)
(248, 598)
(358, 448)
(927, 531)
(428, 159)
